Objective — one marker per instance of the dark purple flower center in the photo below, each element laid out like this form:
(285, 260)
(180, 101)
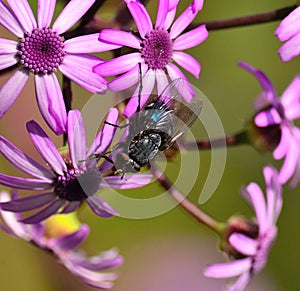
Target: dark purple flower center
(77, 185)
(41, 51)
(157, 49)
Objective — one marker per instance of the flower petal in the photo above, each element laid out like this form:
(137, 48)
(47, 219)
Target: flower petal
(88, 44)
(290, 99)
(290, 49)
(148, 82)
(50, 101)
(118, 65)
(46, 148)
(187, 91)
(191, 38)
(105, 136)
(8, 46)
(7, 61)
(24, 183)
(129, 181)
(182, 22)
(228, 270)
(267, 118)
(188, 62)
(118, 38)
(45, 12)
(141, 17)
(11, 90)
(76, 137)
(9, 21)
(23, 162)
(289, 26)
(70, 207)
(24, 14)
(72, 12)
(28, 203)
(100, 207)
(243, 244)
(241, 283)
(162, 11)
(44, 213)
(79, 68)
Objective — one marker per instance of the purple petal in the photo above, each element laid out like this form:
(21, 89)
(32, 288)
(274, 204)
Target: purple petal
(169, 19)
(70, 242)
(118, 65)
(148, 84)
(197, 5)
(23, 162)
(118, 38)
(24, 14)
(105, 136)
(188, 62)
(259, 205)
(173, 4)
(46, 148)
(264, 81)
(289, 26)
(290, 49)
(11, 90)
(45, 12)
(141, 17)
(44, 213)
(72, 12)
(9, 21)
(8, 46)
(240, 283)
(100, 207)
(182, 22)
(76, 137)
(129, 181)
(243, 244)
(284, 143)
(50, 101)
(70, 207)
(228, 270)
(7, 61)
(187, 91)
(267, 118)
(79, 68)
(161, 81)
(28, 203)
(24, 183)
(162, 11)
(88, 44)
(290, 99)
(191, 38)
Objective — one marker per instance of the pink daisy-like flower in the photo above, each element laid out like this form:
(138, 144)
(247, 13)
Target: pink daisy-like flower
(72, 178)
(41, 50)
(254, 250)
(289, 31)
(157, 47)
(273, 111)
(57, 235)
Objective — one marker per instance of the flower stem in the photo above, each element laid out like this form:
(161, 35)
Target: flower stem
(185, 203)
(264, 17)
(240, 138)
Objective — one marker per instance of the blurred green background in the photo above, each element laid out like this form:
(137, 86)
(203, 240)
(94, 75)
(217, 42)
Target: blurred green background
(169, 252)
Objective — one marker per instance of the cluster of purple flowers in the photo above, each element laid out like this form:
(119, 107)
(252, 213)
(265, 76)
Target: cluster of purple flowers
(70, 177)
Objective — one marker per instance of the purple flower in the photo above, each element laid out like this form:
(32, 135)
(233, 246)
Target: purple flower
(41, 50)
(72, 178)
(156, 49)
(289, 31)
(253, 249)
(273, 111)
(62, 244)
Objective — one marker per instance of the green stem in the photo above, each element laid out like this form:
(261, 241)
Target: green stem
(190, 207)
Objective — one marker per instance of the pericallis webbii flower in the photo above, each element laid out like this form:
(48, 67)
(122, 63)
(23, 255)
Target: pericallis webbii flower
(73, 176)
(156, 50)
(42, 50)
(252, 247)
(61, 235)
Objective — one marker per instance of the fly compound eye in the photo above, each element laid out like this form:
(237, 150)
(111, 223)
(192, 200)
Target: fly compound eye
(155, 137)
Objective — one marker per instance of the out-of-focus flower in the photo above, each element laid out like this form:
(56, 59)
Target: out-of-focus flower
(253, 248)
(61, 235)
(289, 31)
(41, 50)
(156, 49)
(275, 113)
(73, 176)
